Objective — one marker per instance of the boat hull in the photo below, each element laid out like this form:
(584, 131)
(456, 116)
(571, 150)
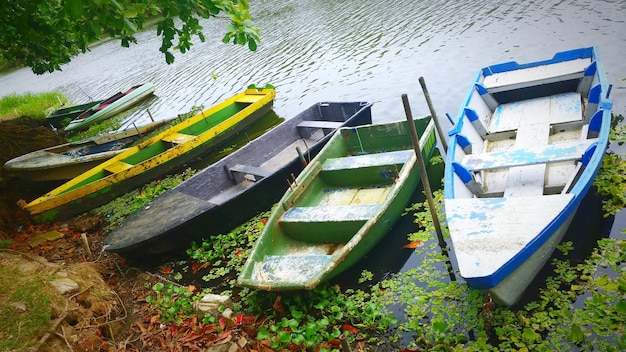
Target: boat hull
(101, 112)
(212, 202)
(157, 156)
(526, 147)
(66, 161)
(339, 207)
(57, 117)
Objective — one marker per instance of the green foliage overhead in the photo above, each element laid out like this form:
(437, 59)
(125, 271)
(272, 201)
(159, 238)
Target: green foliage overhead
(44, 34)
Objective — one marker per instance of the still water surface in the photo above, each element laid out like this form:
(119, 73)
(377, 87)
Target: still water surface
(325, 50)
(351, 50)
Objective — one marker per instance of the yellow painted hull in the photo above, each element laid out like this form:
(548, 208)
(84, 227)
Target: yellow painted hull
(152, 158)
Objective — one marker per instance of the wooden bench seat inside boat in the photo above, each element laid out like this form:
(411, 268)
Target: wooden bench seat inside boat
(335, 224)
(178, 138)
(565, 151)
(307, 127)
(367, 169)
(118, 166)
(535, 76)
(239, 172)
(398, 157)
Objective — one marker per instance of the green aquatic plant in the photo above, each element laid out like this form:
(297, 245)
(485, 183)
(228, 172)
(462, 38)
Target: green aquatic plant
(225, 254)
(121, 207)
(611, 179)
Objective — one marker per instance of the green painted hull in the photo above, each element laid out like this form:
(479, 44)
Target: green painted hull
(155, 157)
(57, 117)
(339, 207)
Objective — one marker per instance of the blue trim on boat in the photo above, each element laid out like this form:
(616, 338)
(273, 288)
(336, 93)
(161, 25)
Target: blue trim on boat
(600, 123)
(570, 55)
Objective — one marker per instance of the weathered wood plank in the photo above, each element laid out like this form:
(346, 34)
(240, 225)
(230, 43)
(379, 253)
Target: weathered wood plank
(320, 124)
(118, 166)
(239, 172)
(534, 76)
(368, 160)
(528, 180)
(361, 212)
(565, 151)
(555, 109)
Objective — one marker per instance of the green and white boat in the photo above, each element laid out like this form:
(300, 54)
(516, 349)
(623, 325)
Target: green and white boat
(339, 207)
(111, 106)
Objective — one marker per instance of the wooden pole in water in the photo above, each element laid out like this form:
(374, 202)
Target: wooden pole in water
(424, 174)
(433, 114)
(149, 114)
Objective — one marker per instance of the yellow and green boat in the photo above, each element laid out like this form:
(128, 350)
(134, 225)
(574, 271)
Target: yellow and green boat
(339, 207)
(154, 157)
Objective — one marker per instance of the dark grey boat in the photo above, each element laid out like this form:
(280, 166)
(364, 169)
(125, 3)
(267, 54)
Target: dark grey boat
(236, 188)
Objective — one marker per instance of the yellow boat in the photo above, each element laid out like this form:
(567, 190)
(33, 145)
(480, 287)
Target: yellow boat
(154, 157)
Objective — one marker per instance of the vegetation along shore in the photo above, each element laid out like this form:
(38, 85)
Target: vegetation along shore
(61, 292)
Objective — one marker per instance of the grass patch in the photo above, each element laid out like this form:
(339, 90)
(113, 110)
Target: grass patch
(29, 305)
(36, 106)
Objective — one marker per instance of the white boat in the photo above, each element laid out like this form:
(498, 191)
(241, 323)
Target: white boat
(525, 149)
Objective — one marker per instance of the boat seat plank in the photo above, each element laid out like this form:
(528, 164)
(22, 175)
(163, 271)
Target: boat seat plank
(320, 124)
(488, 232)
(118, 166)
(564, 151)
(250, 98)
(555, 109)
(398, 157)
(534, 76)
(330, 213)
(239, 171)
(178, 138)
(326, 224)
(307, 127)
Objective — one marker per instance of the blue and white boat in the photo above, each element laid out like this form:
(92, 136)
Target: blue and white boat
(525, 149)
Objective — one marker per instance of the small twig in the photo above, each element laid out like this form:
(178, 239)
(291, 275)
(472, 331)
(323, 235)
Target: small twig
(50, 331)
(83, 236)
(64, 336)
(345, 346)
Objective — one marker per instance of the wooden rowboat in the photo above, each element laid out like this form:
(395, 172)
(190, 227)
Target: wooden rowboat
(339, 207)
(111, 106)
(235, 188)
(66, 161)
(154, 157)
(526, 147)
(61, 117)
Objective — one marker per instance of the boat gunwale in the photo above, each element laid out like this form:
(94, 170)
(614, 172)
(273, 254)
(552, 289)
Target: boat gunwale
(578, 190)
(65, 194)
(408, 174)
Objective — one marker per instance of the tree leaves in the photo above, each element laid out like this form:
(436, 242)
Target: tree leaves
(44, 35)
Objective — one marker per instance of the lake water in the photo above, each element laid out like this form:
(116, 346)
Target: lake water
(359, 50)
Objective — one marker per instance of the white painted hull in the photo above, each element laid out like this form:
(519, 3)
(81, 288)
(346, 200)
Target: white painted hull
(512, 288)
(524, 151)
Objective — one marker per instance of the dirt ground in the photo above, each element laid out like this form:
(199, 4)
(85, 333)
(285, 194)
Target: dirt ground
(101, 313)
(102, 304)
